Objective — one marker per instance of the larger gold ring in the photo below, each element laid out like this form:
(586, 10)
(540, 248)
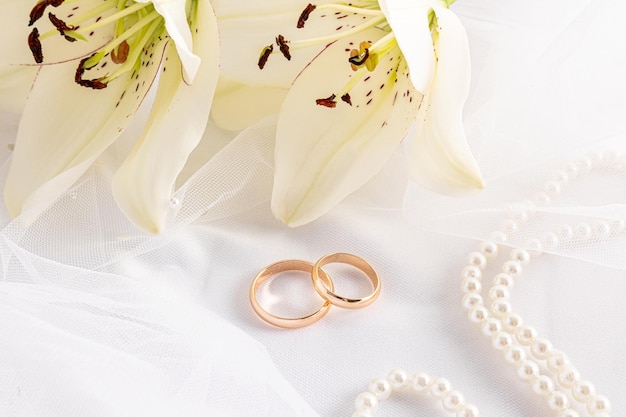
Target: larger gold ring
(326, 291)
(285, 266)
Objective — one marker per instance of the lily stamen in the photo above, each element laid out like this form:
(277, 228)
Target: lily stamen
(37, 12)
(133, 62)
(369, 54)
(62, 27)
(304, 16)
(344, 93)
(377, 18)
(366, 58)
(76, 21)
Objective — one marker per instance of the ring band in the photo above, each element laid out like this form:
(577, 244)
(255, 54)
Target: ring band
(285, 266)
(326, 291)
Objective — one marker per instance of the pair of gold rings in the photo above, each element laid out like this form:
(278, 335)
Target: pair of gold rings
(322, 283)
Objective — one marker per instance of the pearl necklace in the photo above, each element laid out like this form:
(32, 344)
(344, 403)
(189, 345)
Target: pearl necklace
(548, 371)
(420, 383)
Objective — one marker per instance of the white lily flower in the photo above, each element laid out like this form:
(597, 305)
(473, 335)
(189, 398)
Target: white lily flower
(107, 55)
(385, 64)
(15, 84)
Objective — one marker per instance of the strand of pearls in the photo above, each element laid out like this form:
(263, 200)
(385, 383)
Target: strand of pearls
(548, 370)
(419, 383)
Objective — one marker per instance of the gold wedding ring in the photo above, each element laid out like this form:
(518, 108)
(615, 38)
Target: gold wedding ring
(286, 266)
(326, 291)
(322, 283)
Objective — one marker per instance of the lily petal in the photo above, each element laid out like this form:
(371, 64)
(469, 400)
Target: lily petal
(15, 84)
(142, 186)
(65, 127)
(409, 22)
(237, 105)
(323, 154)
(15, 31)
(175, 15)
(441, 157)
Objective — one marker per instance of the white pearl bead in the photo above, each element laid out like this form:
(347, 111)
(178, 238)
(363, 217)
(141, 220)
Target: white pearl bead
(565, 232)
(561, 177)
(582, 231)
(501, 308)
(491, 326)
(470, 285)
(558, 400)
(362, 413)
(499, 292)
(512, 321)
(528, 370)
(515, 355)
(477, 259)
(583, 390)
(541, 199)
(569, 376)
(529, 206)
(477, 314)
(620, 164)
(552, 188)
(519, 216)
(609, 157)
(366, 400)
(174, 202)
(468, 410)
(499, 236)
(471, 271)
(526, 334)
(501, 341)
(601, 230)
(453, 401)
(569, 413)
(599, 404)
(504, 280)
(472, 299)
(541, 348)
(549, 240)
(534, 247)
(513, 268)
(381, 388)
(421, 382)
(618, 226)
(440, 387)
(509, 227)
(572, 169)
(520, 255)
(584, 165)
(557, 361)
(398, 378)
(489, 249)
(597, 157)
(543, 385)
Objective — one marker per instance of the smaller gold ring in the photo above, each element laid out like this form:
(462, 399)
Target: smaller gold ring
(326, 291)
(285, 266)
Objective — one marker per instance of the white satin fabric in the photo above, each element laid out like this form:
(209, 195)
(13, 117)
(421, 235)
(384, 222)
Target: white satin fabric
(98, 319)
